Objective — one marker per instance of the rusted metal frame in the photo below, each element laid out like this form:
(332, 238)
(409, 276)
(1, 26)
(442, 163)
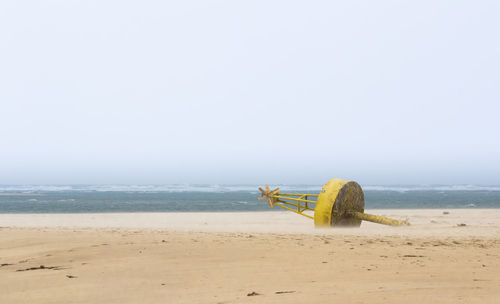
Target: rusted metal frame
(300, 208)
(290, 209)
(294, 199)
(297, 194)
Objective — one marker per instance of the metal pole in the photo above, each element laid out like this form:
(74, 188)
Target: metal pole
(378, 219)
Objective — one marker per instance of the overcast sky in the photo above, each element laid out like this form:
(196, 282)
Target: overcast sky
(381, 92)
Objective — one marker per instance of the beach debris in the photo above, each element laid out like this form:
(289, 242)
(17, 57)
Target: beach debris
(253, 293)
(41, 267)
(340, 203)
(285, 291)
(461, 225)
(5, 264)
(71, 276)
(446, 212)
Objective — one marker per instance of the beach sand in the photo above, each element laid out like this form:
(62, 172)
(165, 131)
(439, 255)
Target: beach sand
(253, 257)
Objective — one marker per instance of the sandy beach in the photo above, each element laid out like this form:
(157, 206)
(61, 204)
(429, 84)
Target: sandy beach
(446, 256)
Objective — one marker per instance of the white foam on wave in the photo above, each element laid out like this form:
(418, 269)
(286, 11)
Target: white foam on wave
(128, 188)
(433, 188)
(220, 188)
(34, 188)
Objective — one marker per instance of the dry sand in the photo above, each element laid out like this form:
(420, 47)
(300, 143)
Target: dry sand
(223, 257)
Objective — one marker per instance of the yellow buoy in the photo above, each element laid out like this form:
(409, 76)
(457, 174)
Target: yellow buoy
(340, 203)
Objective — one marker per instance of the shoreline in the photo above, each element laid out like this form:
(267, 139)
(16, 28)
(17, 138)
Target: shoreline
(446, 222)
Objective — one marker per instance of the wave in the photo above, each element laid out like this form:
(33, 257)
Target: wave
(228, 188)
(433, 188)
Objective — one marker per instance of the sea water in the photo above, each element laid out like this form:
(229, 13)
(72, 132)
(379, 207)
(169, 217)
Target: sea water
(217, 198)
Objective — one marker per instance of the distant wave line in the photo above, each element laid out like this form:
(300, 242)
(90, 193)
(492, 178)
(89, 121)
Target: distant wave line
(6, 190)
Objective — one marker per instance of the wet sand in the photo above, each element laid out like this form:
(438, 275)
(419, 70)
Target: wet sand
(254, 257)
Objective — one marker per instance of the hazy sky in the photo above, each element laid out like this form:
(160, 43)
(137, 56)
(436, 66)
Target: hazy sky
(381, 92)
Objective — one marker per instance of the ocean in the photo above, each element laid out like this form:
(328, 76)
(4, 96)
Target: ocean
(217, 198)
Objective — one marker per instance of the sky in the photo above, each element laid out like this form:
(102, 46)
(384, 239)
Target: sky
(249, 92)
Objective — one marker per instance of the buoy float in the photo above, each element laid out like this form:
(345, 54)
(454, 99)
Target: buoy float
(340, 203)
